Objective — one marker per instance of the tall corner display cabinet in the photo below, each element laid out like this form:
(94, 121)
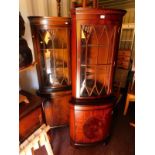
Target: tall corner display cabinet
(51, 40)
(96, 35)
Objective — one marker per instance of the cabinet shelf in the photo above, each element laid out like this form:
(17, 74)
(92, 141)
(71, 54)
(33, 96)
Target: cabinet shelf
(29, 67)
(128, 26)
(91, 65)
(126, 40)
(53, 49)
(93, 45)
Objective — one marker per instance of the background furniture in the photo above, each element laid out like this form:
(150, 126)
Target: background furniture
(94, 48)
(125, 54)
(31, 115)
(37, 143)
(51, 40)
(130, 94)
(130, 98)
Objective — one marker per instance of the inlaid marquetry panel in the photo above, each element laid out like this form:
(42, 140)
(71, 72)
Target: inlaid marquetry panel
(91, 123)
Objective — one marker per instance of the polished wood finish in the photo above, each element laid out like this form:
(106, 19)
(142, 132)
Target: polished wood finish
(31, 115)
(57, 109)
(30, 123)
(84, 3)
(89, 123)
(121, 142)
(94, 52)
(51, 40)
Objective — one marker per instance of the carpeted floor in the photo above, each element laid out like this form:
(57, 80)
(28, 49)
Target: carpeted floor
(122, 141)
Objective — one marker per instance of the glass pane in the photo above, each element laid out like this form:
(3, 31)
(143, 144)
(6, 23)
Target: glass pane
(97, 45)
(55, 56)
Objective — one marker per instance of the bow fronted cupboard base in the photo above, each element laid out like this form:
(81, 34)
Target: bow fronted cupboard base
(51, 40)
(95, 42)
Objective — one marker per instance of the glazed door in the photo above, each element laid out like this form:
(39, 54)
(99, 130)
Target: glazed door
(97, 46)
(54, 56)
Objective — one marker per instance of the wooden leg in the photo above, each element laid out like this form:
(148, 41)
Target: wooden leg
(126, 105)
(130, 97)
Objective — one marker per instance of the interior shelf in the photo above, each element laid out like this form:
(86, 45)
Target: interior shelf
(92, 45)
(43, 49)
(83, 65)
(127, 40)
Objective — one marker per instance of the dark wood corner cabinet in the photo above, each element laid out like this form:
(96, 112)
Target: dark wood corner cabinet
(95, 34)
(51, 40)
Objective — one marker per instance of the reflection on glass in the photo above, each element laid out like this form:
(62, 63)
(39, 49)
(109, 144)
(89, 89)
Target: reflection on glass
(96, 60)
(55, 57)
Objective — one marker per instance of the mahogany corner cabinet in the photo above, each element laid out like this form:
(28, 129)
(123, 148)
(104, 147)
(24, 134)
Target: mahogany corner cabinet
(95, 42)
(51, 41)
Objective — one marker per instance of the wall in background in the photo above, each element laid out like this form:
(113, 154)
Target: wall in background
(130, 18)
(28, 79)
(117, 4)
